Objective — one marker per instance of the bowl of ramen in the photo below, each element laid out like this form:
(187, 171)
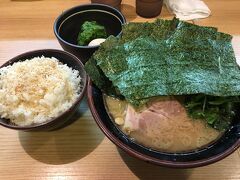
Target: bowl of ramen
(214, 148)
(162, 103)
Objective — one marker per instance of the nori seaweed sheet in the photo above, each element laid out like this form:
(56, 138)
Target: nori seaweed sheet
(100, 80)
(167, 57)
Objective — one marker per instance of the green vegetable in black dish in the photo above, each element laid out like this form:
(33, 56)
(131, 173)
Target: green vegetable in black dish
(90, 30)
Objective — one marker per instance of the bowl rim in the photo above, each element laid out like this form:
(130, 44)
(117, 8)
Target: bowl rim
(50, 123)
(146, 158)
(55, 29)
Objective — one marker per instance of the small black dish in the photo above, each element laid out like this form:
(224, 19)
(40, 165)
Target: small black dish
(68, 25)
(62, 119)
(223, 147)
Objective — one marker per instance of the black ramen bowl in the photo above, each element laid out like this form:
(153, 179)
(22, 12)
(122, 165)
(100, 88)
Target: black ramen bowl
(64, 118)
(216, 151)
(68, 25)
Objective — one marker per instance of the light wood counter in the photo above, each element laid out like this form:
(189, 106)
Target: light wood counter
(81, 151)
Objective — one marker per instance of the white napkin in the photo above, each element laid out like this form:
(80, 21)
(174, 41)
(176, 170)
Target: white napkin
(188, 9)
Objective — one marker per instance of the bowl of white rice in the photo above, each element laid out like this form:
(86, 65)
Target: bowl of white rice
(40, 90)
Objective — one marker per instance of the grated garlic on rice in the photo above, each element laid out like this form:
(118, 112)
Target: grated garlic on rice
(36, 90)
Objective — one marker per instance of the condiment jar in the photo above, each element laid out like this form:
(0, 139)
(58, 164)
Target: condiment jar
(149, 8)
(114, 3)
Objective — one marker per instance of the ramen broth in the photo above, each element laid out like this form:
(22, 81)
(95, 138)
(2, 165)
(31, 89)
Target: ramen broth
(162, 125)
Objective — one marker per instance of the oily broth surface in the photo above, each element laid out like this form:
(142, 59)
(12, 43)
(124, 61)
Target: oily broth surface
(176, 132)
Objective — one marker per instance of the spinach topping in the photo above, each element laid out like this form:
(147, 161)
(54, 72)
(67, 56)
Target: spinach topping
(90, 30)
(217, 111)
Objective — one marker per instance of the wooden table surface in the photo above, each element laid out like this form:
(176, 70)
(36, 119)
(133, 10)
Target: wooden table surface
(81, 151)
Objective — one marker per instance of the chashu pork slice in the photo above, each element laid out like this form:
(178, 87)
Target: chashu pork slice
(154, 116)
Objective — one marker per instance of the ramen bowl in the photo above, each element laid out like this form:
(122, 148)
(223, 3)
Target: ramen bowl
(221, 148)
(68, 25)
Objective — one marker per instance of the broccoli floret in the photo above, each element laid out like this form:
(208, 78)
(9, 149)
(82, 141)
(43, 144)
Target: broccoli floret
(90, 30)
